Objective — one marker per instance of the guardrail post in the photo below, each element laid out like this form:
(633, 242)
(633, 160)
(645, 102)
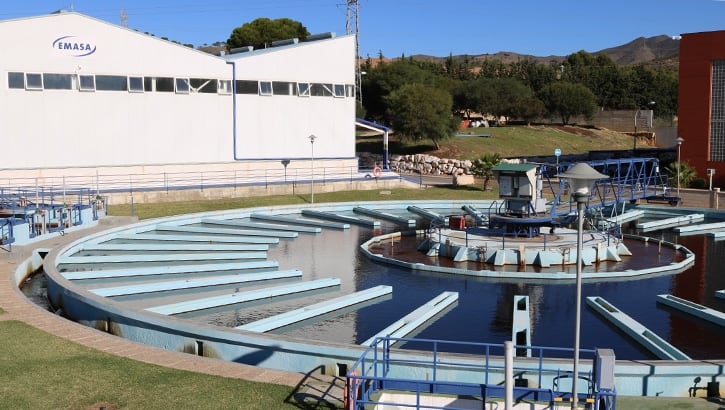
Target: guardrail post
(714, 198)
(509, 374)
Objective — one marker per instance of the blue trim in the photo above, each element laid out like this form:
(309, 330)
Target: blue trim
(234, 109)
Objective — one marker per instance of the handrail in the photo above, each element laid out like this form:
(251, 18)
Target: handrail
(379, 368)
(165, 181)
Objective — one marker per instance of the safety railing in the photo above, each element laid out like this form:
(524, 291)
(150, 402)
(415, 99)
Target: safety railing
(429, 371)
(166, 181)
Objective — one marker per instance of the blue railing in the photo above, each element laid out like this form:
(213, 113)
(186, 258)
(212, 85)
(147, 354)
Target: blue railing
(431, 371)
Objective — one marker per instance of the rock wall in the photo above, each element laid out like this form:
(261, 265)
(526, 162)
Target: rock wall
(417, 163)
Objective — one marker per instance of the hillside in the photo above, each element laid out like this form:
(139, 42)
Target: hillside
(508, 141)
(656, 51)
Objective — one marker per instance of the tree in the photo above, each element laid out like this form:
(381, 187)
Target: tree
(420, 111)
(261, 32)
(385, 78)
(682, 170)
(483, 167)
(566, 100)
(529, 109)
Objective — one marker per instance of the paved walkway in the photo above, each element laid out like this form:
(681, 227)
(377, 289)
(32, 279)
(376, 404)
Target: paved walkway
(17, 307)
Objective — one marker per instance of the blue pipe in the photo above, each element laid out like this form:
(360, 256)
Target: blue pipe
(234, 109)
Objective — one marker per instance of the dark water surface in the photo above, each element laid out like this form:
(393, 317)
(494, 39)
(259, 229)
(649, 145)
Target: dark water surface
(485, 306)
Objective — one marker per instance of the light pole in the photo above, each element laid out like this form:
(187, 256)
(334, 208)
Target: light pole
(581, 178)
(636, 114)
(679, 140)
(312, 168)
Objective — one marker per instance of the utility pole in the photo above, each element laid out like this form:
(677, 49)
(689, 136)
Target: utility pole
(353, 27)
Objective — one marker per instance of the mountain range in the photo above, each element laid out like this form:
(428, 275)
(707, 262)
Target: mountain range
(660, 50)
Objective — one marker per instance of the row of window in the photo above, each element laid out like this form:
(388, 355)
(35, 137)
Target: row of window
(717, 115)
(133, 84)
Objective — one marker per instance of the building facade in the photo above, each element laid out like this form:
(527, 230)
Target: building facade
(82, 96)
(702, 104)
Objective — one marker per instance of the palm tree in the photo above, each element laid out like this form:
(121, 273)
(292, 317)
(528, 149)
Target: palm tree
(682, 170)
(483, 167)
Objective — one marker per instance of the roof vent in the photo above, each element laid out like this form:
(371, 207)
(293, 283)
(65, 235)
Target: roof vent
(321, 36)
(285, 42)
(238, 50)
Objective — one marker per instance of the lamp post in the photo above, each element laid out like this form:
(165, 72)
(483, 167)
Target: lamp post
(312, 167)
(581, 178)
(679, 140)
(636, 114)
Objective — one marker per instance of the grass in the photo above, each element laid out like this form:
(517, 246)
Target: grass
(509, 141)
(42, 371)
(155, 210)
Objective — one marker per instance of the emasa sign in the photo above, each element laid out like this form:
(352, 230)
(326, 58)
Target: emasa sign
(74, 46)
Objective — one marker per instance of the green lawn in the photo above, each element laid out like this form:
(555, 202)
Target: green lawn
(155, 210)
(42, 371)
(509, 141)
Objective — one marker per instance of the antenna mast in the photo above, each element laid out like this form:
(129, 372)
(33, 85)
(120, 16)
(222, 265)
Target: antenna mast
(353, 27)
(124, 17)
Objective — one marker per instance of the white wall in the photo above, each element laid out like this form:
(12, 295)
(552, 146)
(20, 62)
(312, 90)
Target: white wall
(290, 120)
(61, 128)
(56, 129)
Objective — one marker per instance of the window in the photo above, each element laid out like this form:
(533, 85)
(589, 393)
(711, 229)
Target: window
(224, 86)
(57, 81)
(159, 84)
(303, 89)
(111, 83)
(135, 84)
(247, 87)
(350, 90)
(203, 85)
(321, 90)
(87, 83)
(265, 88)
(33, 81)
(16, 80)
(339, 90)
(717, 112)
(283, 88)
(182, 86)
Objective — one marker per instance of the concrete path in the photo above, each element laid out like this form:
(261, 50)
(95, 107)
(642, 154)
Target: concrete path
(314, 387)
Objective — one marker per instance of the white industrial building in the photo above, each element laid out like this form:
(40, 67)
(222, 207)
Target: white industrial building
(82, 97)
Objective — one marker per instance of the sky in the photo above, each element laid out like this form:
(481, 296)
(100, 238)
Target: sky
(409, 27)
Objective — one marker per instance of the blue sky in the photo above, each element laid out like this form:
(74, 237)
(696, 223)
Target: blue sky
(433, 27)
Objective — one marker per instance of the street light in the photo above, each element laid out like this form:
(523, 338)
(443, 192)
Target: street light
(636, 114)
(581, 178)
(312, 168)
(679, 140)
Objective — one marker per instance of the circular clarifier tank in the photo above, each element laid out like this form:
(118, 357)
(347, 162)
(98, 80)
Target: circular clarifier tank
(235, 270)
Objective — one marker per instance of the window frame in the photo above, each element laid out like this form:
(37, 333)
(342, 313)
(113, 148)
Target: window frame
(338, 90)
(265, 88)
(136, 89)
(182, 81)
(30, 87)
(224, 87)
(83, 88)
(303, 89)
(16, 78)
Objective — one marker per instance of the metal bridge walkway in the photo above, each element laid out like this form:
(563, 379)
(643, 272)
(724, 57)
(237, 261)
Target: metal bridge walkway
(630, 179)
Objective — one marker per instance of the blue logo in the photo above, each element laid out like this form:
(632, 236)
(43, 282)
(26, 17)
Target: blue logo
(73, 46)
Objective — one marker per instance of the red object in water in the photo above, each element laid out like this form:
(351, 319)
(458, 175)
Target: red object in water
(457, 222)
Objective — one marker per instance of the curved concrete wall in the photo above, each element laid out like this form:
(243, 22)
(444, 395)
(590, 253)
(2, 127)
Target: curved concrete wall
(648, 378)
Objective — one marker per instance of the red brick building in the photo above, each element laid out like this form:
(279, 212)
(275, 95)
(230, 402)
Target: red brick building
(701, 121)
